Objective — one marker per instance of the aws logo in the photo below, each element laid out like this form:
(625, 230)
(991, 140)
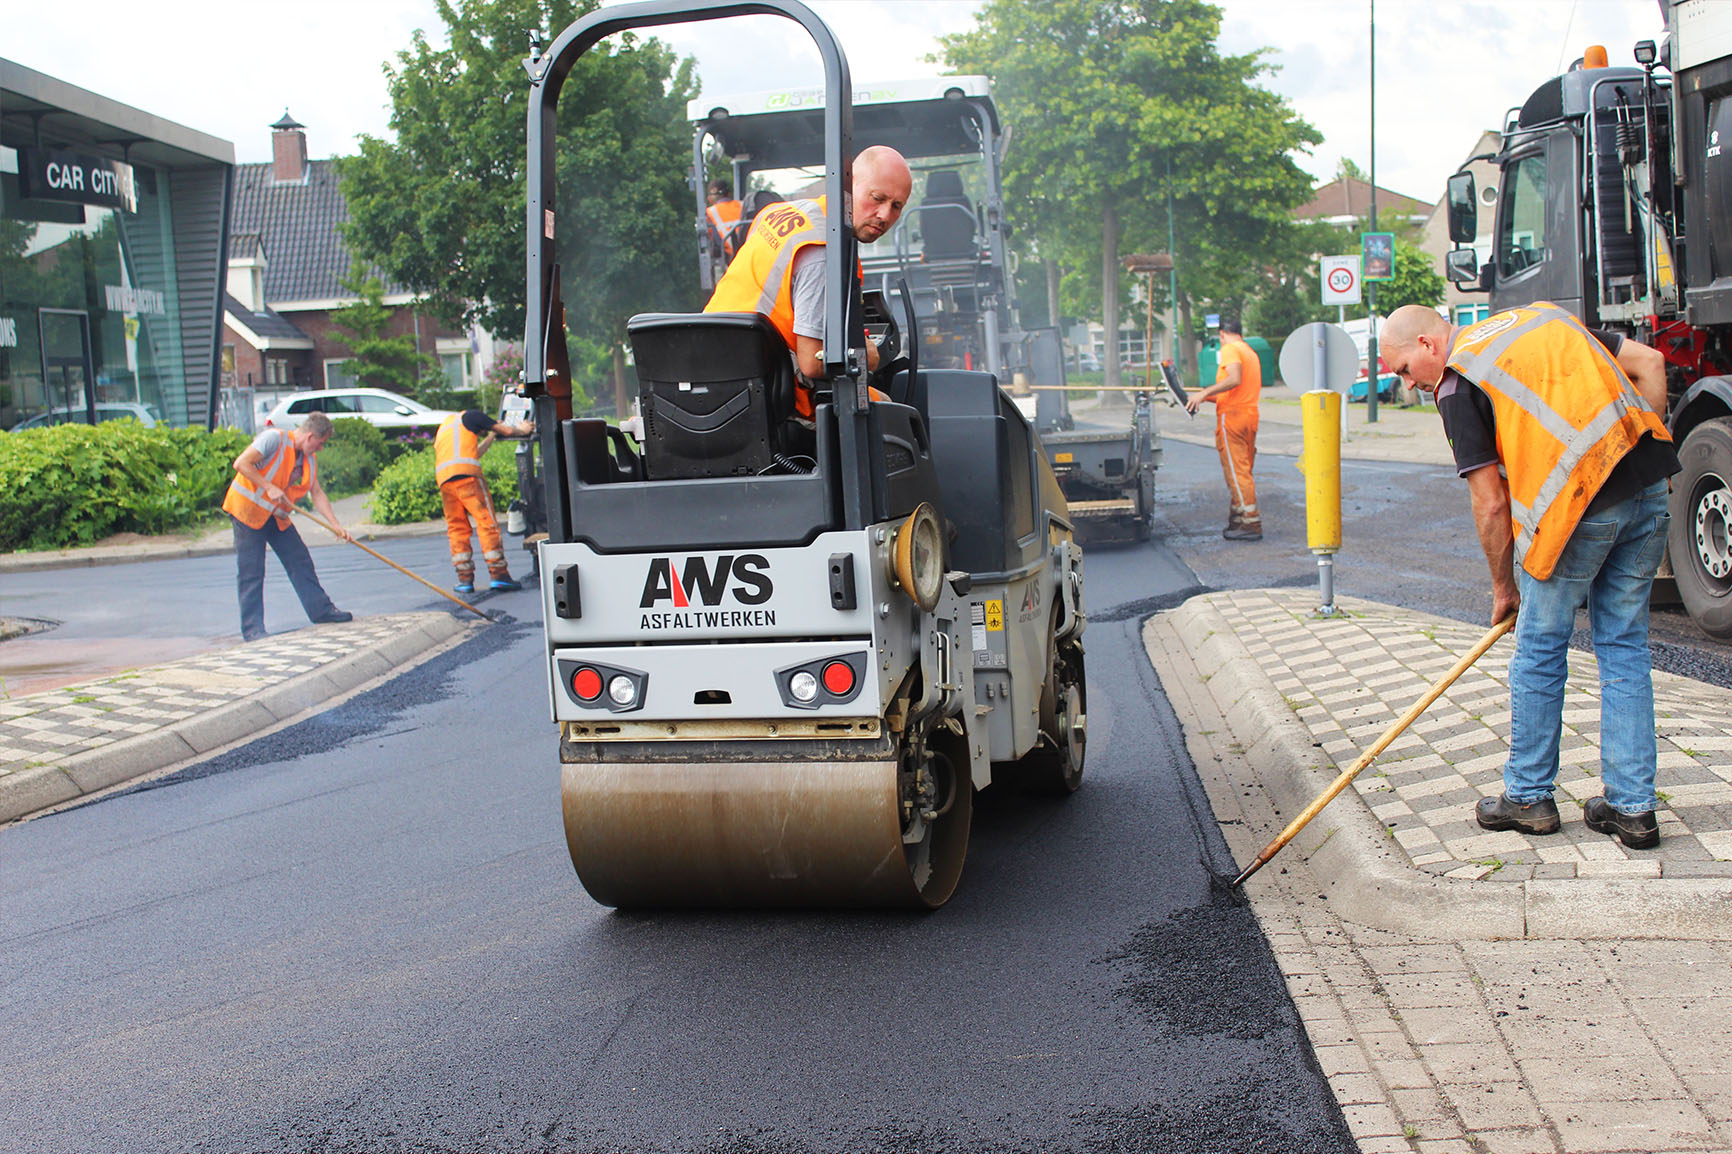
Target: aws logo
(705, 581)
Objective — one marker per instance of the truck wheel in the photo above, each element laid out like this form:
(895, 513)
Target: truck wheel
(1700, 539)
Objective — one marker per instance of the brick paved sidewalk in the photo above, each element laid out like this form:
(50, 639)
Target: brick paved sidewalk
(1349, 678)
(68, 742)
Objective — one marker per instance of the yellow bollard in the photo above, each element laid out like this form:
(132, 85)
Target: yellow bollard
(1321, 465)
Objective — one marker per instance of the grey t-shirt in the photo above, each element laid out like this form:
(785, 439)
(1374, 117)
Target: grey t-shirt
(809, 292)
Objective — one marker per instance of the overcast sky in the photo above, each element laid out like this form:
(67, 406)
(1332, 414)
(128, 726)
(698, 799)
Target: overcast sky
(230, 69)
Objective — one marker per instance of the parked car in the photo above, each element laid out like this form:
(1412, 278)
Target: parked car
(105, 411)
(1088, 363)
(1387, 382)
(378, 407)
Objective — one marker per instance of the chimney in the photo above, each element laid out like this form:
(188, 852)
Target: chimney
(288, 151)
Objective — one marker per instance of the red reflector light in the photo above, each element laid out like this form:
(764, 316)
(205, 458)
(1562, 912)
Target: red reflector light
(838, 677)
(586, 683)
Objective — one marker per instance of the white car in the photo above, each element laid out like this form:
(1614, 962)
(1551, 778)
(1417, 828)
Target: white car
(386, 410)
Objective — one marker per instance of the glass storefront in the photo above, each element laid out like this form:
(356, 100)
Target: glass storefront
(89, 302)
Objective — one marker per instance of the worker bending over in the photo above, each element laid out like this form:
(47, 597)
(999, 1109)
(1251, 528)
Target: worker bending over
(457, 450)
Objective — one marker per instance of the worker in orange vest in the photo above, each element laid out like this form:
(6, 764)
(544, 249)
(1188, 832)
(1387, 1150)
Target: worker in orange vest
(723, 215)
(457, 449)
(1557, 430)
(271, 474)
(779, 271)
(1236, 392)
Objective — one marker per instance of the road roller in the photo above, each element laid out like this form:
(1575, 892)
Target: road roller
(783, 654)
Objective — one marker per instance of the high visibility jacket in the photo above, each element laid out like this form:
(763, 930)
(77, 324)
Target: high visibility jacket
(761, 279)
(456, 450)
(247, 502)
(723, 215)
(1565, 413)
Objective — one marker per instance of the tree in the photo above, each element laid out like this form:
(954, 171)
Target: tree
(1117, 103)
(441, 209)
(380, 361)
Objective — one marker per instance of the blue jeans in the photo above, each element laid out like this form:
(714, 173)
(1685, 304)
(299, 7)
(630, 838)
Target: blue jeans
(1609, 564)
(250, 573)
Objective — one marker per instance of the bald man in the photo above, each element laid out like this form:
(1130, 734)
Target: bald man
(1556, 429)
(786, 252)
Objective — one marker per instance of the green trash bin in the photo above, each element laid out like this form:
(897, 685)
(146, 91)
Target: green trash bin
(1208, 358)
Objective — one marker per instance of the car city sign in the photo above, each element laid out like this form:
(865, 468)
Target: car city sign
(45, 174)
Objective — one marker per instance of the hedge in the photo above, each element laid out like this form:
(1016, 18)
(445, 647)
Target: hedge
(404, 491)
(65, 485)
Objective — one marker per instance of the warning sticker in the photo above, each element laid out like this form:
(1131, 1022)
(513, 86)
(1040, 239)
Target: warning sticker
(995, 616)
(977, 619)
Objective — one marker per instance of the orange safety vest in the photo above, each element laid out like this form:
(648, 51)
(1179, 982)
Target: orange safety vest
(761, 279)
(723, 216)
(1565, 414)
(248, 504)
(456, 450)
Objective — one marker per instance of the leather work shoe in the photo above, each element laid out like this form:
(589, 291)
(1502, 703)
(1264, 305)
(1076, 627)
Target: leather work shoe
(1636, 830)
(334, 617)
(1244, 531)
(1536, 817)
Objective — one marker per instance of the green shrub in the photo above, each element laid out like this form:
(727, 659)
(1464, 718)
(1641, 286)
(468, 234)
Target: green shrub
(73, 484)
(352, 458)
(405, 492)
(400, 442)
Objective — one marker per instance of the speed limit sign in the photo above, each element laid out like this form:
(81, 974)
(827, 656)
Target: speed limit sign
(1340, 278)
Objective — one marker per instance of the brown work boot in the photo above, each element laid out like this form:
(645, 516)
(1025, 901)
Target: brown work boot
(1244, 531)
(1535, 817)
(1636, 830)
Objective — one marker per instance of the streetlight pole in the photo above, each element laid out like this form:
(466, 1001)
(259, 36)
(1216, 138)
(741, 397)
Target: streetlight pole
(1371, 285)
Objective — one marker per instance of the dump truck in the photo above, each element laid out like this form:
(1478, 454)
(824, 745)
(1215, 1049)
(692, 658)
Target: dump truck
(1614, 201)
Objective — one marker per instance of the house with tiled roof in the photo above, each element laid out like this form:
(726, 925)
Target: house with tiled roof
(287, 262)
(1347, 201)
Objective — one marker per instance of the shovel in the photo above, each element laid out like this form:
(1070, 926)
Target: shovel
(1370, 755)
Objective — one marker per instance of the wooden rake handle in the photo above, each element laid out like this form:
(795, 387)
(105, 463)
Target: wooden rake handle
(1366, 758)
(331, 529)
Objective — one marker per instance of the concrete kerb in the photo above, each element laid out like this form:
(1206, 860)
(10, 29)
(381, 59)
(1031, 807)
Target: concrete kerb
(1347, 852)
(36, 788)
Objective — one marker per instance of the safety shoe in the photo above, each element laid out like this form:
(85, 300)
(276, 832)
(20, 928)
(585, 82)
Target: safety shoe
(504, 585)
(334, 617)
(1636, 830)
(1536, 817)
(254, 635)
(1244, 531)
(464, 587)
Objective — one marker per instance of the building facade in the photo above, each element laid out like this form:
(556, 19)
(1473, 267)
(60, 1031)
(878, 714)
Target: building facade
(287, 265)
(113, 230)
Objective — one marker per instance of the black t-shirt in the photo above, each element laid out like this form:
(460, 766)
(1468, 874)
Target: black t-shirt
(1471, 426)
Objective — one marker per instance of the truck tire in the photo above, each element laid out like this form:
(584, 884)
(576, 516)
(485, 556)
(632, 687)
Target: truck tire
(1700, 540)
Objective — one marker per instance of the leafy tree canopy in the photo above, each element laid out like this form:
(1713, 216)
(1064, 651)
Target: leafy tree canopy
(1116, 104)
(442, 208)
(382, 361)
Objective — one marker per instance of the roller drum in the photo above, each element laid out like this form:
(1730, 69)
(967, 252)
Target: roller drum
(756, 833)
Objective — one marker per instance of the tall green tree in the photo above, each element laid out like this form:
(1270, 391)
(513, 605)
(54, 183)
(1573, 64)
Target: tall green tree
(442, 207)
(381, 361)
(1117, 102)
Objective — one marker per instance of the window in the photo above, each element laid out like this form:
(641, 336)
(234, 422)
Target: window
(455, 368)
(370, 404)
(1521, 241)
(340, 375)
(276, 371)
(1470, 314)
